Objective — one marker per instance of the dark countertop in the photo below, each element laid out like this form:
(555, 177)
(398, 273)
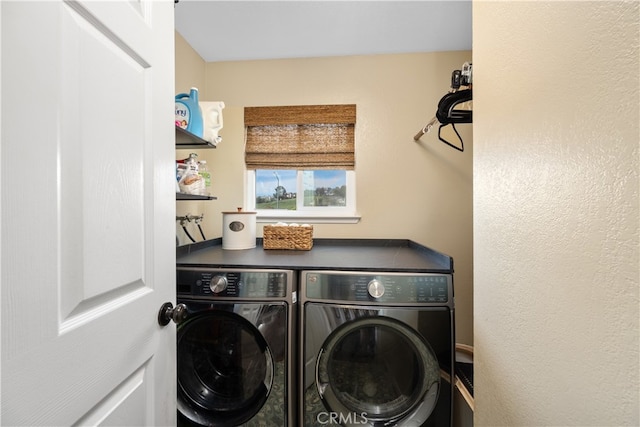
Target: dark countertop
(388, 255)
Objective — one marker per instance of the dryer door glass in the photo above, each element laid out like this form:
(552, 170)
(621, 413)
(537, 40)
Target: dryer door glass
(380, 369)
(225, 368)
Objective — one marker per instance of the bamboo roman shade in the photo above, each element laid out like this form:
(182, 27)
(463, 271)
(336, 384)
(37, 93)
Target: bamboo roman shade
(300, 137)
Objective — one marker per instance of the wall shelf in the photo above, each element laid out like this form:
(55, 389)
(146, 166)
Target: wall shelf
(185, 196)
(185, 139)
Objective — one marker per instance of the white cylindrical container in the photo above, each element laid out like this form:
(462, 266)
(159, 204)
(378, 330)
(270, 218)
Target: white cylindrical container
(238, 230)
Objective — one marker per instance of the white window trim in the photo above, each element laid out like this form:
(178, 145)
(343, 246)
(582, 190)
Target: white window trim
(317, 215)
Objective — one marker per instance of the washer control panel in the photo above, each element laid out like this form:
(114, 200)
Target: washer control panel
(383, 288)
(233, 283)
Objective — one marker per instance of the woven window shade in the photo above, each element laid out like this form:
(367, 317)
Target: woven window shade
(300, 137)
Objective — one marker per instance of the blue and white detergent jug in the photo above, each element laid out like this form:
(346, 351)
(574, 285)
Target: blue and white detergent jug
(188, 112)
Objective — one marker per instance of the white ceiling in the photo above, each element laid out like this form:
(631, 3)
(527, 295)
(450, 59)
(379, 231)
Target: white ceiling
(246, 30)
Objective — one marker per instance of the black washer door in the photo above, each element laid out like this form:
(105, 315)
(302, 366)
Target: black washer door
(225, 369)
(379, 369)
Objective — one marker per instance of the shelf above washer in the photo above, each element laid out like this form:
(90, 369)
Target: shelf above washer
(185, 196)
(185, 139)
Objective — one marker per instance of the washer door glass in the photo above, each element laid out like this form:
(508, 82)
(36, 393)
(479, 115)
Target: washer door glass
(225, 369)
(380, 369)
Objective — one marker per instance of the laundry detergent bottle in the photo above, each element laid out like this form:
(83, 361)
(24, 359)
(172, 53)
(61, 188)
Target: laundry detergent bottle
(188, 112)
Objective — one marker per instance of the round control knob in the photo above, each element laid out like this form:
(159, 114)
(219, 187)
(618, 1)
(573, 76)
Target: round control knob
(375, 288)
(218, 284)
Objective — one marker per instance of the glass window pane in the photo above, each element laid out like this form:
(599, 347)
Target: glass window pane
(325, 187)
(376, 370)
(276, 189)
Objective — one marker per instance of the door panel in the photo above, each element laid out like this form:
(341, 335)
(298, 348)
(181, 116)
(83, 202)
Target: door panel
(87, 213)
(106, 229)
(122, 406)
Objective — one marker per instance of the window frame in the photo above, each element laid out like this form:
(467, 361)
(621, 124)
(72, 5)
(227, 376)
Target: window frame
(310, 214)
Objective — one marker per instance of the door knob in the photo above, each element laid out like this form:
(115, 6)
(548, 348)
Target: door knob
(168, 313)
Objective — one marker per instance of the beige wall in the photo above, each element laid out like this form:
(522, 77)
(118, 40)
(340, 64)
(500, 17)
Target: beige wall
(189, 67)
(556, 213)
(420, 191)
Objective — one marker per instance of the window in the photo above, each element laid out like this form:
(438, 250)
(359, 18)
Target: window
(300, 162)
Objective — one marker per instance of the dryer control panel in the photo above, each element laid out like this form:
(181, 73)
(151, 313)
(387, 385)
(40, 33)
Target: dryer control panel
(231, 283)
(378, 288)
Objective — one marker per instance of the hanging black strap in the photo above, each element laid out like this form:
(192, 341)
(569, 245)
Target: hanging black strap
(461, 148)
(188, 235)
(446, 113)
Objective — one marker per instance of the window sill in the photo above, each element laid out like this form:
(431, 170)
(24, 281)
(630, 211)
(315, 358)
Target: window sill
(306, 217)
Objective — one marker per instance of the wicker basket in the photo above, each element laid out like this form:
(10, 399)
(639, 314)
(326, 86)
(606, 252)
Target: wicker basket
(299, 238)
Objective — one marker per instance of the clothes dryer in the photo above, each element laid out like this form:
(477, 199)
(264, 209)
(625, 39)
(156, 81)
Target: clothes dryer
(235, 351)
(377, 348)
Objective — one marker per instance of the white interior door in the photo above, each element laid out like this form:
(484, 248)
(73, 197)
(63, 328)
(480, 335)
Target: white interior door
(87, 212)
